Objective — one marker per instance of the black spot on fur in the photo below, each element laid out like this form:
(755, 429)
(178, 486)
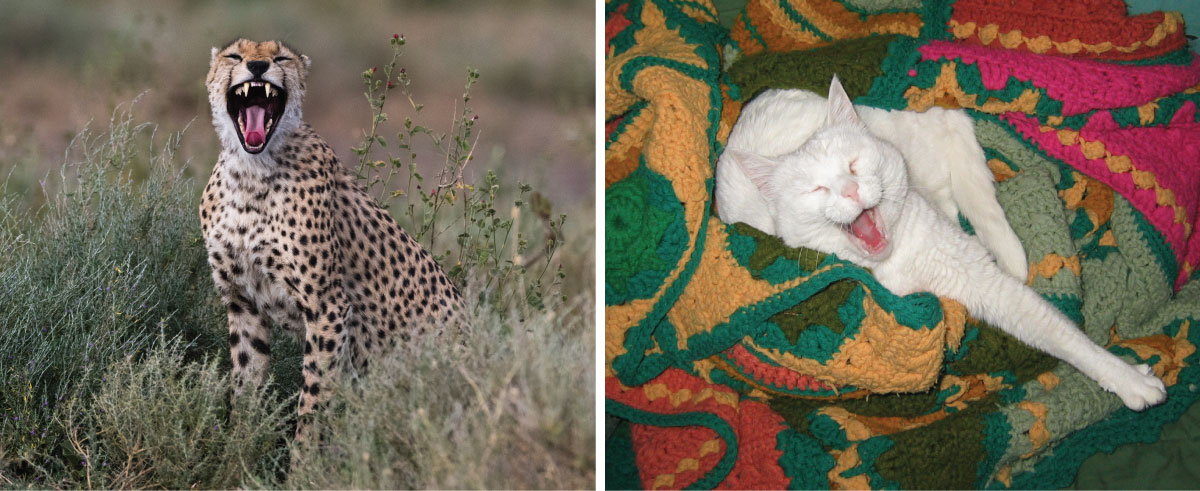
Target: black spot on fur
(260, 346)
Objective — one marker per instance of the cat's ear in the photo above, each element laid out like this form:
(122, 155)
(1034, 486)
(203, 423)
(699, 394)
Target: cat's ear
(841, 110)
(758, 168)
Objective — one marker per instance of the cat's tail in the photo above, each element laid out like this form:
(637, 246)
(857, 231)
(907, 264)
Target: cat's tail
(974, 190)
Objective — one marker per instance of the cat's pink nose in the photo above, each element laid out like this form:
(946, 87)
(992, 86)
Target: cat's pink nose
(850, 190)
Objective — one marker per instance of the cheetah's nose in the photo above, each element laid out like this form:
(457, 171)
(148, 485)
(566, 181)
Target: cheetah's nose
(257, 67)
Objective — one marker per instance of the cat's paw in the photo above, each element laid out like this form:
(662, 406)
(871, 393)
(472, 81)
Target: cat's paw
(1140, 389)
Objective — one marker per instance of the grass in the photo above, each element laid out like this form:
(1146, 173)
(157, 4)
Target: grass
(116, 363)
(497, 412)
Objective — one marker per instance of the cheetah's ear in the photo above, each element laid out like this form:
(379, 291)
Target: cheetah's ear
(307, 61)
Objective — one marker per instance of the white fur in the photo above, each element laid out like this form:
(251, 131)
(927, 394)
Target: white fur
(782, 195)
(944, 160)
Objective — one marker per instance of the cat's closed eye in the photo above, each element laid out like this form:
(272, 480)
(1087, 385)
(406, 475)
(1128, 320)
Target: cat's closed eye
(818, 189)
(853, 171)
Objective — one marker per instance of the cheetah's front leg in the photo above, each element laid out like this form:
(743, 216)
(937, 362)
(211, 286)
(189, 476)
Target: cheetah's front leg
(249, 334)
(324, 336)
(249, 343)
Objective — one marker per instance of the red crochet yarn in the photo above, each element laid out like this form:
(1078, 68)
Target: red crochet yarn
(615, 23)
(771, 374)
(1101, 24)
(663, 451)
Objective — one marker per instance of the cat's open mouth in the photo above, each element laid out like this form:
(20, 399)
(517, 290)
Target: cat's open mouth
(867, 231)
(256, 107)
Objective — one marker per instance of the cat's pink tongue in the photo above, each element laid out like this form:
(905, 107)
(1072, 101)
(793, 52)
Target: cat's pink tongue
(255, 132)
(865, 228)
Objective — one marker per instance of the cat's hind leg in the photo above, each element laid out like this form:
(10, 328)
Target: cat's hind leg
(974, 190)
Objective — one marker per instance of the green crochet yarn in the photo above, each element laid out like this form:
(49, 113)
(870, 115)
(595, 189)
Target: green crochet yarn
(821, 315)
(938, 457)
(856, 63)
(804, 460)
(827, 430)
(872, 7)
(620, 471)
(994, 351)
(644, 235)
(767, 258)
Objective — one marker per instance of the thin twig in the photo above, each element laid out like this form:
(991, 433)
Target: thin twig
(461, 168)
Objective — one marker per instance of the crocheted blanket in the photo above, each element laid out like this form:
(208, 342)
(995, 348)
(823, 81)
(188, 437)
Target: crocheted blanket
(733, 361)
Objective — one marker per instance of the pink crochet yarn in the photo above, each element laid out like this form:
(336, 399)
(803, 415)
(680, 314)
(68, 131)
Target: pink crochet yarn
(1169, 154)
(1081, 85)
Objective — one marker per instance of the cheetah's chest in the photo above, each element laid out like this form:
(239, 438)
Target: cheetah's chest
(248, 248)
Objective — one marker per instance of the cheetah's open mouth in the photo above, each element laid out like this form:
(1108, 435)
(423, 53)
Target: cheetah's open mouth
(256, 106)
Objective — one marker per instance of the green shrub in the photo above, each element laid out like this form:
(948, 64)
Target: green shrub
(93, 277)
(509, 249)
(162, 422)
(509, 408)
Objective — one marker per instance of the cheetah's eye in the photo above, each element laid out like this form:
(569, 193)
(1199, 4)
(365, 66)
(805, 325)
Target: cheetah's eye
(279, 59)
(234, 57)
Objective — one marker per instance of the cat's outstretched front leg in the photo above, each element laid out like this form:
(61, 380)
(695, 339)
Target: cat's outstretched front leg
(1138, 391)
(1018, 310)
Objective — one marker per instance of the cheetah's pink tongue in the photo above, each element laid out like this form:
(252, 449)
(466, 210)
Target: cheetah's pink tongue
(866, 230)
(255, 131)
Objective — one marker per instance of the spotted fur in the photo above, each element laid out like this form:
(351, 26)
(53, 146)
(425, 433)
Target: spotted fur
(294, 240)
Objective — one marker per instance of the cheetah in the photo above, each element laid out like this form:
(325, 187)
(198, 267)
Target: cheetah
(294, 240)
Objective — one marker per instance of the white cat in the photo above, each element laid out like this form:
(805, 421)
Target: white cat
(845, 191)
(945, 163)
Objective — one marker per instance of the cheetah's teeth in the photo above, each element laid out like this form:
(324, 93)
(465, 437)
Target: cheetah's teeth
(267, 87)
(269, 122)
(246, 88)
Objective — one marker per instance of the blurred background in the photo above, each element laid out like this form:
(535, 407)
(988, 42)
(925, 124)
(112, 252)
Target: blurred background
(70, 63)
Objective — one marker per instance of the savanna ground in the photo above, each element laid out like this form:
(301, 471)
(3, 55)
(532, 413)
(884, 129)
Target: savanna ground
(113, 350)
